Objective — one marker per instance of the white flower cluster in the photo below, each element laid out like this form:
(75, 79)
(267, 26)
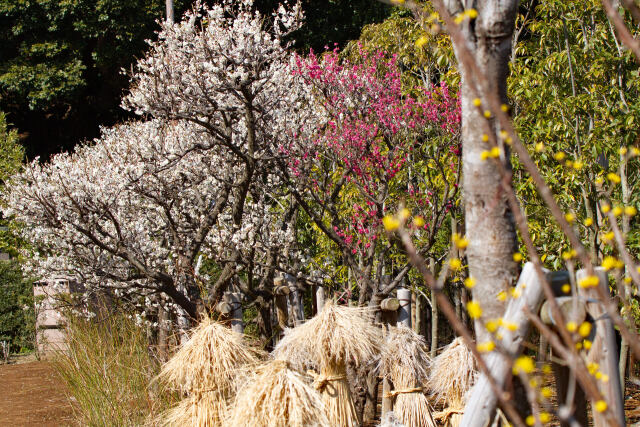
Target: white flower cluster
(134, 209)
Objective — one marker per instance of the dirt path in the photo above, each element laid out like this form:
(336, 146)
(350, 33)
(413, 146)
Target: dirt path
(31, 395)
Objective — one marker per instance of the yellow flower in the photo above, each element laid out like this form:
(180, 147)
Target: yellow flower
(472, 13)
(627, 280)
(523, 364)
(469, 282)
(460, 241)
(421, 41)
(609, 263)
(600, 406)
(515, 293)
(486, 347)
(487, 114)
(572, 326)
(545, 417)
(587, 344)
(546, 392)
(492, 325)
(570, 217)
(546, 369)
(404, 213)
(609, 236)
(589, 282)
(474, 309)
(484, 155)
(559, 156)
(502, 296)
(635, 151)
(613, 177)
(623, 151)
(585, 329)
(511, 326)
(588, 222)
(605, 208)
(455, 263)
(477, 102)
(539, 147)
(630, 210)
(517, 257)
(593, 367)
(495, 152)
(567, 255)
(485, 137)
(569, 163)
(617, 211)
(566, 288)
(577, 165)
(504, 107)
(530, 420)
(418, 221)
(599, 180)
(390, 223)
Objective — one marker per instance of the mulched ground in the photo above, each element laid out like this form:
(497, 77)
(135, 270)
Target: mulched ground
(32, 395)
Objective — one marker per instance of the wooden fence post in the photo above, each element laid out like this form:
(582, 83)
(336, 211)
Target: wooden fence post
(604, 349)
(237, 323)
(481, 406)
(404, 312)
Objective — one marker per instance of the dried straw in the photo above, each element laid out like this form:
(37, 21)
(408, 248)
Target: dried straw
(404, 361)
(207, 368)
(277, 396)
(452, 376)
(210, 359)
(334, 337)
(201, 409)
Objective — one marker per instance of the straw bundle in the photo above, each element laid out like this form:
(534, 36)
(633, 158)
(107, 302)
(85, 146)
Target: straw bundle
(452, 376)
(334, 337)
(277, 396)
(207, 369)
(404, 361)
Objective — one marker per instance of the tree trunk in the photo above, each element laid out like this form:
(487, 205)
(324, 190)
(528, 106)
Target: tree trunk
(169, 7)
(490, 226)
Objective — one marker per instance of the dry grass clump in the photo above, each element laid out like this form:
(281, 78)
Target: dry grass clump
(277, 396)
(207, 368)
(452, 376)
(334, 337)
(404, 361)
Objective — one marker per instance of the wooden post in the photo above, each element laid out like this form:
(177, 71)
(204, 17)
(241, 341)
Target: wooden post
(566, 385)
(237, 324)
(604, 350)
(481, 405)
(163, 333)
(389, 307)
(320, 298)
(404, 312)
(281, 292)
(295, 298)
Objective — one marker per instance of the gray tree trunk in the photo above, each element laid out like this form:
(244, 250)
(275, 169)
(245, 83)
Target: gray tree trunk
(490, 226)
(169, 7)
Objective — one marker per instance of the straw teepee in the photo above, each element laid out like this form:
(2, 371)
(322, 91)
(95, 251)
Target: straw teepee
(404, 361)
(452, 376)
(278, 396)
(334, 337)
(206, 369)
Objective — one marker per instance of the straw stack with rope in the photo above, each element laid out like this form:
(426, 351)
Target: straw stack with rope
(452, 375)
(337, 335)
(404, 361)
(206, 369)
(278, 396)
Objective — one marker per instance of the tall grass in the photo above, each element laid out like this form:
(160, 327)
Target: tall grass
(108, 370)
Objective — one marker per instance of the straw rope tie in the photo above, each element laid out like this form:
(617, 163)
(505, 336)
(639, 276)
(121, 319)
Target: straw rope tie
(320, 381)
(394, 393)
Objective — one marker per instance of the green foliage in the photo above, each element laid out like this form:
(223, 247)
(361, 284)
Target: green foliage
(61, 64)
(574, 92)
(11, 152)
(17, 317)
(108, 370)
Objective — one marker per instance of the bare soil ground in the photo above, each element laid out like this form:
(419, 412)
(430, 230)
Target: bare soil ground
(32, 395)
